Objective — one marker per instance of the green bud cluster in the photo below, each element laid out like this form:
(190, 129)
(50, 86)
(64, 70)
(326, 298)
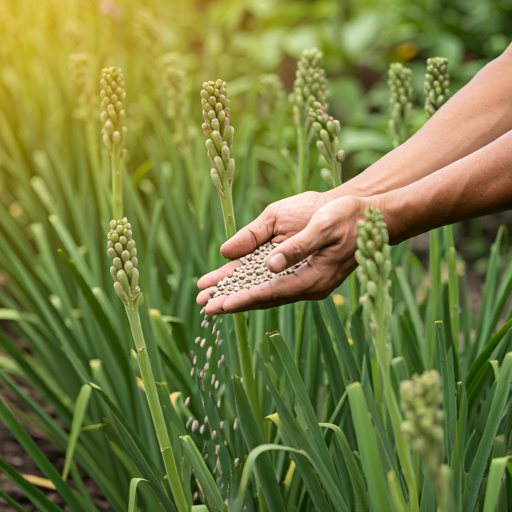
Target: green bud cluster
(374, 257)
(147, 32)
(400, 102)
(271, 95)
(220, 133)
(123, 253)
(310, 81)
(437, 82)
(421, 404)
(327, 130)
(112, 96)
(173, 78)
(80, 70)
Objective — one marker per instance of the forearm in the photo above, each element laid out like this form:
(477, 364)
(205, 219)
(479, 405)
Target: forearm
(478, 184)
(475, 116)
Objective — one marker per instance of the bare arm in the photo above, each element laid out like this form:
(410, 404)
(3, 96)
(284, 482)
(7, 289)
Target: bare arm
(475, 116)
(478, 184)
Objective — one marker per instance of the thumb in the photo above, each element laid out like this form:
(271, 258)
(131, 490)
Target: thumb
(296, 248)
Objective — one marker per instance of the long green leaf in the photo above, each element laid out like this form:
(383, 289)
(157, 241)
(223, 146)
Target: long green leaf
(368, 449)
(40, 459)
(132, 495)
(30, 491)
(493, 421)
(494, 480)
(80, 409)
(203, 475)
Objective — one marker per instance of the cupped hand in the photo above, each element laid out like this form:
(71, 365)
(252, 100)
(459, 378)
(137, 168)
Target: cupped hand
(327, 240)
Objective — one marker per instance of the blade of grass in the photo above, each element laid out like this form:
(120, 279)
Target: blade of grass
(40, 459)
(479, 464)
(80, 409)
(368, 449)
(494, 480)
(203, 475)
(30, 491)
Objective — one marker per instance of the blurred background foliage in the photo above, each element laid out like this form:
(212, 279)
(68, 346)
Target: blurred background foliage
(237, 40)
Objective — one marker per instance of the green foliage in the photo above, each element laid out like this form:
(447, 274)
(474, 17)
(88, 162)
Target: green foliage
(320, 428)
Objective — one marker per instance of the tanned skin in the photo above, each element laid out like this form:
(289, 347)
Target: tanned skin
(457, 167)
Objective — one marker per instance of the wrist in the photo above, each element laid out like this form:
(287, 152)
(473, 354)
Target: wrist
(347, 189)
(392, 208)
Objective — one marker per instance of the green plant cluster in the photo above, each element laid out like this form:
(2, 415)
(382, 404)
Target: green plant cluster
(393, 394)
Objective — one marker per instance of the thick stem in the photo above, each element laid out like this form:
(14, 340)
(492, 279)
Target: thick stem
(303, 156)
(156, 410)
(435, 288)
(384, 359)
(117, 186)
(244, 351)
(336, 172)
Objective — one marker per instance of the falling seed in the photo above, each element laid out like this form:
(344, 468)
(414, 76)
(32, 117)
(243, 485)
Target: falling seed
(206, 367)
(221, 360)
(214, 433)
(237, 461)
(195, 424)
(191, 353)
(194, 361)
(201, 374)
(209, 352)
(203, 341)
(206, 420)
(202, 311)
(213, 379)
(189, 421)
(187, 401)
(214, 328)
(225, 442)
(217, 449)
(205, 456)
(192, 372)
(196, 496)
(218, 404)
(222, 425)
(201, 429)
(198, 339)
(235, 424)
(216, 385)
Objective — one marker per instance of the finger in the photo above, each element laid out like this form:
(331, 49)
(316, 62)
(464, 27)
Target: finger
(251, 236)
(297, 248)
(205, 295)
(280, 290)
(212, 278)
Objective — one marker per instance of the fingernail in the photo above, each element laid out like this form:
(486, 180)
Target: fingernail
(276, 263)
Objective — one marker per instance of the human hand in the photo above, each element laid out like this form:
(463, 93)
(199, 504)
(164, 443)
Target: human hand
(326, 237)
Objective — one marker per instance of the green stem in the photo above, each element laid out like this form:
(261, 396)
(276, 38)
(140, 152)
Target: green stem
(303, 156)
(92, 148)
(191, 174)
(336, 172)
(244, 351)
(384, 359)
(117, 187)
(156, 410)
(435, 285)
